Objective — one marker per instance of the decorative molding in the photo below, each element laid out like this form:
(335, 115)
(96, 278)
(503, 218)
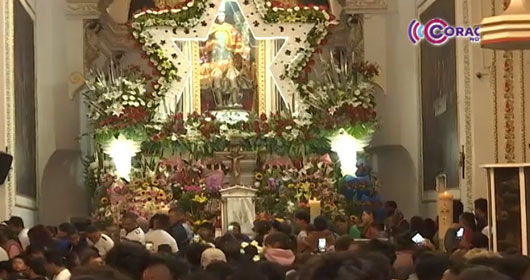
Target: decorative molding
(493, 85)
(509, 114)
(365, 6)
(523, 109)
(261, 77)
(196, 77)
(9, 95)
(468, 147)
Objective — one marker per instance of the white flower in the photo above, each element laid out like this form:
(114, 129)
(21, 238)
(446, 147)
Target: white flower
(173, 138)
(190, 4)
(316, 8)
(275, 9)
(268, 4)
(185, 8)
(297, 8)
(289, 10)
(125, 97)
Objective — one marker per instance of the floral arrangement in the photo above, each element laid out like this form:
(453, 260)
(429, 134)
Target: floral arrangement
(344, 97)
(283, 188)
(119, 103)
(201, 135)
(142, 197)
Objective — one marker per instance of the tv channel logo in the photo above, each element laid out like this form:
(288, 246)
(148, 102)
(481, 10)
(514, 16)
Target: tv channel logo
(437, 32)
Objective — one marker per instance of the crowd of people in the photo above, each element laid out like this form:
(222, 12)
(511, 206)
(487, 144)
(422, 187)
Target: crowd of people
(168, 247)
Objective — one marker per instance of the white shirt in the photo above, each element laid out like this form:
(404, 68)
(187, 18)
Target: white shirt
(63, 275)
(486, 231)
(23, 238)
(161, 237)
(103, 245)
(136, 235)
(3, 255)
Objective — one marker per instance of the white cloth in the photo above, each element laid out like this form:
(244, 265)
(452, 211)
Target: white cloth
(63, 275)
(3, 255)
(160, 237)
(103, 245)
(301, 235)
(23, 238)
(486, 231)
(136, 235)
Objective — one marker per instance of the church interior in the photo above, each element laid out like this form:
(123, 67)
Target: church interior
(251, 109)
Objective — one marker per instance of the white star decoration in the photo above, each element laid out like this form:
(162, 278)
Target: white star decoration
(165, 34)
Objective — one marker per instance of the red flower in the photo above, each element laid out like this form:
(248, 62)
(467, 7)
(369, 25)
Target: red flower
(246, 126)
(179, 116)
(263, 117)
(311, 6)
(266, 127)
(331, 17)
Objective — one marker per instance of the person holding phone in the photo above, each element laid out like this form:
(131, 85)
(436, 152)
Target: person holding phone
(466, 231)
(321, 231)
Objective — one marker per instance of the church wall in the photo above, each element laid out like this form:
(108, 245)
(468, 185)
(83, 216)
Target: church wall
(396, 144)
(59, 46)
(3, 117)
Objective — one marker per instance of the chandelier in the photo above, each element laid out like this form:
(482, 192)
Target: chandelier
(510, 30)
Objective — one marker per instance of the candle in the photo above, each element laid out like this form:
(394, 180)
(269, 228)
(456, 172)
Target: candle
(314, 208)
(445, 214)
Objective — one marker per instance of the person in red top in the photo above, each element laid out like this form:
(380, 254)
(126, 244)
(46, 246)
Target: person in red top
(467, 221)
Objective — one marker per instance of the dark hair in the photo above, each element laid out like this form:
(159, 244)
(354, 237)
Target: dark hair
(271, 271)
(331, 266)
(40, 236)
(163, 221)
(194, 253)
(52, 230)
(201, 275)
(416, 224)
(320, 223)
(431, 267)
(129, 258)
(278, 240)
(178, 268)
(92, 229)
(130, 215)
(261, 228)
(55, 257)
(515, 266)
(16, 221)
(376, 266)
(391, 203)
(341, 219)
(33, 249)
(343, 243)
(97, 273)
(38, 266)
(6, 234)
(482, 272)
(87, 254)
(458, 209)
(6, 266)
(207, 225)
(68, 228)
(382, 247)
(303, 215)
(176, 210)
(281, 227)
(469, 220)
(220, 270)
(482, 205)
(429, 229)
(491, 262)
(164, 248)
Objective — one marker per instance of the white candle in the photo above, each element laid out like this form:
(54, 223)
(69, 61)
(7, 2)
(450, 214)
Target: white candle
(314, 208)
(445, 214)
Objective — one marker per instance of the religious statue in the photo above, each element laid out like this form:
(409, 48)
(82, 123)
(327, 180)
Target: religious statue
(223, 60)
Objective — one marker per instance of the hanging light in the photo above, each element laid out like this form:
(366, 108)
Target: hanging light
(510, 30)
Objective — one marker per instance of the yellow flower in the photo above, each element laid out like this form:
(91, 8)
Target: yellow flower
(258, 176)
(170, 196)
(312, 185)
(104, 200)
(143, 193)
(136, 183)
(145, 185)
(155, 183)
(291, 186)
(200, 198)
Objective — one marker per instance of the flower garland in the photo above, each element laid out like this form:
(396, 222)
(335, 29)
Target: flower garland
(188, 15)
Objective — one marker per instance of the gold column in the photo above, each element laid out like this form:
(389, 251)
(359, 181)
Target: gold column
(196, 81)
(262, 67)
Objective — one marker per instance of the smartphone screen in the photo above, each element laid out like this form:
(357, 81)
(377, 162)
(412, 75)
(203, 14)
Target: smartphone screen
(418, 239)
(150, 246)
(322, 245)
(460, 233)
